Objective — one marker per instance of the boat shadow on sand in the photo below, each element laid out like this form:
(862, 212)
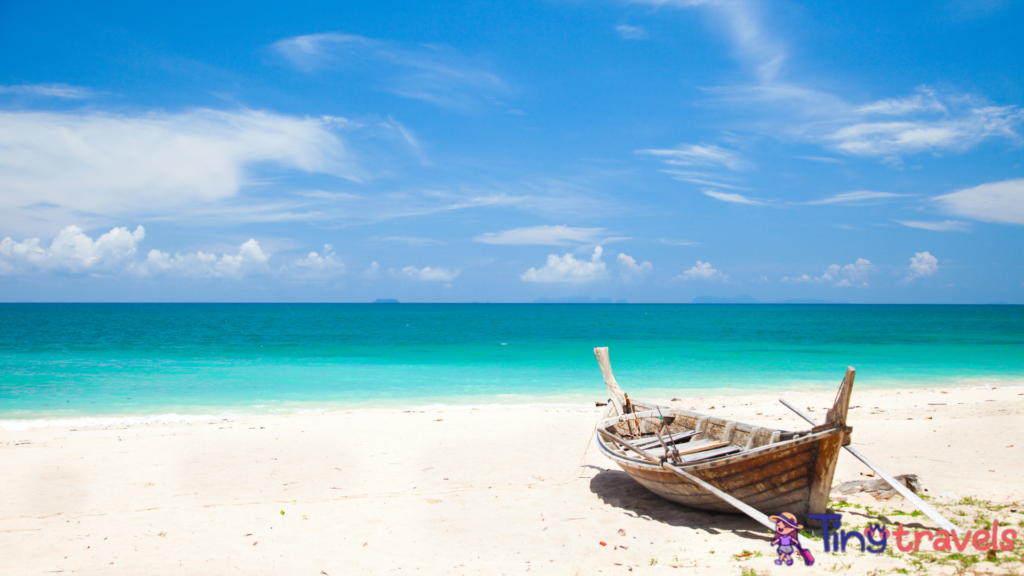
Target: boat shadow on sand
(617, 489)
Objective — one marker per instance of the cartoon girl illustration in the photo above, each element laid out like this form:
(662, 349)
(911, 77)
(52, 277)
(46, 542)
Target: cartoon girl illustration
(786, 539)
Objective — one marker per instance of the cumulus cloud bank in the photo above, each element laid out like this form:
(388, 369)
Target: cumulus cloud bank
(114, 253)
(568, 269)
(837, 276)
(702, 271)
(316, 266)
(250, 259)
(71, 251)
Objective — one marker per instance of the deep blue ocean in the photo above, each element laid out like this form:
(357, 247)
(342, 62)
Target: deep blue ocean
(61, 361)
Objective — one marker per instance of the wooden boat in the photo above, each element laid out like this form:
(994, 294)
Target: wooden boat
(771, 470)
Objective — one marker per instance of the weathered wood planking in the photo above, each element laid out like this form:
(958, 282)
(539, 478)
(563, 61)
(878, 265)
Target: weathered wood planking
(772, 471)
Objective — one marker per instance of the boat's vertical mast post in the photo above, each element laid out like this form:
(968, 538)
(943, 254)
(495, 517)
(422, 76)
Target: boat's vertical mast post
(615, 394)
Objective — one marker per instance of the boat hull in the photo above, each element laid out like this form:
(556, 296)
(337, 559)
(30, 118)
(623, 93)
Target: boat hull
(792, 476)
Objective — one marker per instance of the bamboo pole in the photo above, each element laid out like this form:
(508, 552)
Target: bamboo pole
(903, 490)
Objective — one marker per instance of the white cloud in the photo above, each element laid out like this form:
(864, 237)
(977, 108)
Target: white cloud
(924, 101)
(568, 269)
(373, 272)
(944, 226)
(628, 32)
(960, 132)
(702, 271)
(756, 46)
(856, 197)
(672, 242)
(428, 72)
(71, 251)
(58, 165)
(251, 259)
(922, 264)
(316, 266)
(1001, 202)
(733, 198)
(837, 276)
(630, 269)
(698, 155)
(428, 274)
(885, 128)
(821, 159)
(410, 240)
(543, 235)
(701, 178)
(49, 90)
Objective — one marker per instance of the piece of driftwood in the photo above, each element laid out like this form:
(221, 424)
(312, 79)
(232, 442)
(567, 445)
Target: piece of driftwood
(880, 489)
(898, 486)
(771, 471)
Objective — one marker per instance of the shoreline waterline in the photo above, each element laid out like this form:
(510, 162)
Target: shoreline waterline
(211, 413)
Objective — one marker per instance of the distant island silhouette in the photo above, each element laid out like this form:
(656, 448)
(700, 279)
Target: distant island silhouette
(577, 300)
(751, 300)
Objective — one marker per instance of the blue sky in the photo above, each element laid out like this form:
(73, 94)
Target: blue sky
(654, 150)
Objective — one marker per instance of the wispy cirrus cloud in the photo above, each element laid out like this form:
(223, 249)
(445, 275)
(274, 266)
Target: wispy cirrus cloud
(60, 166)
(742, 20)
(49, 91)
(698, 155)
(702, 178)
(1001, 202)
(946, 131)
(544, 236)
(432, 73)
(628, 32)
(886, 129)
(733, 198)
(674, 242)
(944, 226)
(856, 197)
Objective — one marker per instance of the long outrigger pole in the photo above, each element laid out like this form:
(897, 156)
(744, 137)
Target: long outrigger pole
(903, 490)
(746, 509)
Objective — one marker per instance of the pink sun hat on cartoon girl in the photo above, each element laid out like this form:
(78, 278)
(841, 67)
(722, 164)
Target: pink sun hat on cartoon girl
(787, 519)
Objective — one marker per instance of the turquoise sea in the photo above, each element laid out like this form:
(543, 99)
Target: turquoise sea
(69, 361)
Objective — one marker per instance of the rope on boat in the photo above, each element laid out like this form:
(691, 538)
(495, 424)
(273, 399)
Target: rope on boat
(579, 467)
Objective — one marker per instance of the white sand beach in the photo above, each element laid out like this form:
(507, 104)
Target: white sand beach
(465, 491)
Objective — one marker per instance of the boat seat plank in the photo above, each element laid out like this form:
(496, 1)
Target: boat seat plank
(646, 443)
(694, 447)
(707, 455)
(702, 454)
